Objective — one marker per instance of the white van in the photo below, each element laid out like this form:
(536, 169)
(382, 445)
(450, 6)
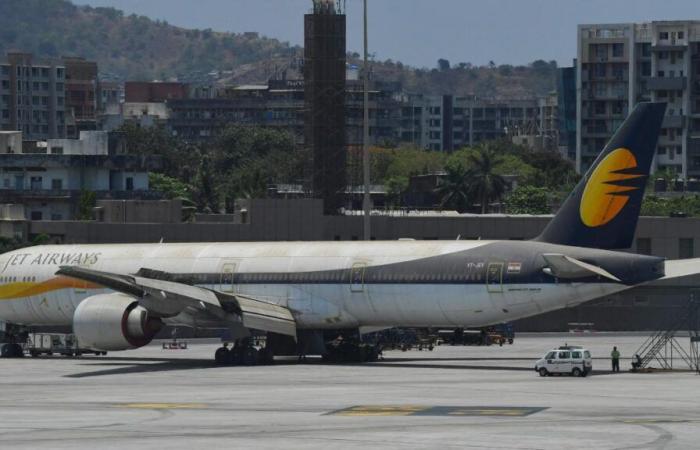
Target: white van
(569, 359)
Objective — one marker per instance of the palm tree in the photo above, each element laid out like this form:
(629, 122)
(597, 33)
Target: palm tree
(484, 183)
(454, 188)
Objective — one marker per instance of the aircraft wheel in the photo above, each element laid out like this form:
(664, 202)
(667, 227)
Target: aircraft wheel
(11, 351)
(266, 356)
(249, 357)
(221, 356)
(543, 372)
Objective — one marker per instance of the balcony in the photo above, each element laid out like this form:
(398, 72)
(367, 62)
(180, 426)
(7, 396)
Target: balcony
(667, 84)
(668, 46)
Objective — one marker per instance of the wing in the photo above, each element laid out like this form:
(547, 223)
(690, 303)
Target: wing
(168, 299)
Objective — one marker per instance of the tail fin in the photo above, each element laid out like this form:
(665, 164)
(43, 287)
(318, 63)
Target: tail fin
(603, 209)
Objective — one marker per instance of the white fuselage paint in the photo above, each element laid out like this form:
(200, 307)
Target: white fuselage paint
(338, 305)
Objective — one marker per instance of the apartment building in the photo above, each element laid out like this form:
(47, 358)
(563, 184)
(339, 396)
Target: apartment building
(623, 64)
(32, 97)
(446, 123)
(49, 177)
(82, 95)
(280, 103)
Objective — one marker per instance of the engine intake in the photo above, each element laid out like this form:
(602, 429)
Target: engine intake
(113, 322)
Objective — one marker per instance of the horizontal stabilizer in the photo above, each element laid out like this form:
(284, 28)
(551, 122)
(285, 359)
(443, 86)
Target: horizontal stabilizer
(562, 266)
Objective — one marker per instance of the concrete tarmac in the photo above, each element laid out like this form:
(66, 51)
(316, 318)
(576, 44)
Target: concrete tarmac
(452, 397)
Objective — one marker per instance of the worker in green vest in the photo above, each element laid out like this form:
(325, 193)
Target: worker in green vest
(615, 356)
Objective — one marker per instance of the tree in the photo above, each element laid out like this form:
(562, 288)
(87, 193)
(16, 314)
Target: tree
(443, 64)
(454, 189)
(86, 203)
(528, 200)
(505, 70)
(171, 187)
(484, 183)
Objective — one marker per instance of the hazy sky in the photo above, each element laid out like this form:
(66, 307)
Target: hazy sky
(418, 32)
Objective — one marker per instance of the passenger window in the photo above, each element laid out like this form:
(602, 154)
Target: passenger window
(564, 355)
(576, 355)
(587, 354)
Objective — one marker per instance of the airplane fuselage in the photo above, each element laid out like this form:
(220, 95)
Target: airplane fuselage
(331, 284)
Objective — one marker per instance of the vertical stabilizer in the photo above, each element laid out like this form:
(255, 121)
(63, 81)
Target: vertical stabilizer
(603, 209)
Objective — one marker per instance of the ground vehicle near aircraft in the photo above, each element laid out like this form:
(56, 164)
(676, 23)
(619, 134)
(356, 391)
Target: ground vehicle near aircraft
(306, 294)
(567, 359)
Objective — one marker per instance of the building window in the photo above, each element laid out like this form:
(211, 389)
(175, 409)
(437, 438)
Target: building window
(663, 35)
(129, 183)
(57, 184)
(56, 150)
(680, 35)
(618, 50)
(56, 216)
(644, 246)
(685, 248)
(35, 215)
(35, 183)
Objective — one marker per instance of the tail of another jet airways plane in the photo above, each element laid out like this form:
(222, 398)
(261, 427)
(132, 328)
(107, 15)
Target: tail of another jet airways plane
(603, 209)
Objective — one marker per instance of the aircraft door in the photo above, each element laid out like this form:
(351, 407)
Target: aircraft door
(227, 277)
(494, 277)
(357, 277)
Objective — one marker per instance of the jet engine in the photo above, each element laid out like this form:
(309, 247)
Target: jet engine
(113, 322)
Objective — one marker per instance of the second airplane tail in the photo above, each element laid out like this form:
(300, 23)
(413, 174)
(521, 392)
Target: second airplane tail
(603, 209)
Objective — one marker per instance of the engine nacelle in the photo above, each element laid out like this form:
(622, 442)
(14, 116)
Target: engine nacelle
(113, 322)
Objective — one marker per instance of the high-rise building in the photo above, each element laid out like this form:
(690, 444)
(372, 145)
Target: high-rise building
(32, 97)
(620, 65)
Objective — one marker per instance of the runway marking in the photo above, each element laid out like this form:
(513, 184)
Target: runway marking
(654, 421)
(445, 411)
(162, 405)
(379, 410)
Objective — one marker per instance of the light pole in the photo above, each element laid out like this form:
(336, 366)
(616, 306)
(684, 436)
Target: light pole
(365, 140)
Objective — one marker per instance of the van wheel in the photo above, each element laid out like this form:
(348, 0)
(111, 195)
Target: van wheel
(543, 372)
(576, 372)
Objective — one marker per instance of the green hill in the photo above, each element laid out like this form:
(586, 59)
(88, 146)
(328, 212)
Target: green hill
(131, 47)
(127, 46)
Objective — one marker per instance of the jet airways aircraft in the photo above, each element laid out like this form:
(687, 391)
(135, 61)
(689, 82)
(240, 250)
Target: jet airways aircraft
(118, 296)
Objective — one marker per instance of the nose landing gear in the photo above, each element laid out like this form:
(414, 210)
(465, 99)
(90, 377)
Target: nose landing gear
(12, 350)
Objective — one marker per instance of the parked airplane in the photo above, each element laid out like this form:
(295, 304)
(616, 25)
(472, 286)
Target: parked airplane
(118, 296)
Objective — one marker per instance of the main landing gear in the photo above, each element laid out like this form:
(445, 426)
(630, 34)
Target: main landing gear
(342, 350)
(243, 353)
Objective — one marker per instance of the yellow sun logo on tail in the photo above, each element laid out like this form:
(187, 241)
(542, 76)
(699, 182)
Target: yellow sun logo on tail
(606, 193)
